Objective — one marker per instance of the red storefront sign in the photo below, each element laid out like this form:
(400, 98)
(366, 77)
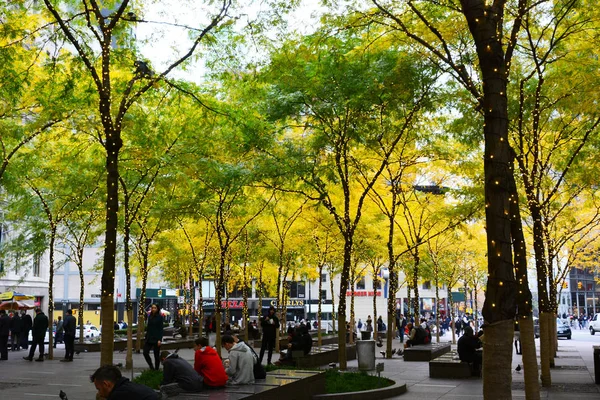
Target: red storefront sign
(363, 293)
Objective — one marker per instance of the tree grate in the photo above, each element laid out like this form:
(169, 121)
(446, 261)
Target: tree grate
(564, 387)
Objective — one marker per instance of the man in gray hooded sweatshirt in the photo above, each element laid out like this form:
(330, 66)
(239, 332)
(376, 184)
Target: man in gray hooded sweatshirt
(240, 367)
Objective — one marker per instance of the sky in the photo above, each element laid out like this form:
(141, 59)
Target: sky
(165, 44)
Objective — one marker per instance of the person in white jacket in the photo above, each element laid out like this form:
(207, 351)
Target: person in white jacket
(240, 366)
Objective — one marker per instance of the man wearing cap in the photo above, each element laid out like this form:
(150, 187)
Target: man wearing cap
(178, 376)
(40, 327)
(270, 324)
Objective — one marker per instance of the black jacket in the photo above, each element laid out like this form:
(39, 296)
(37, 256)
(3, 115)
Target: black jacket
(269, 329)
(178, 370)
(70, 325)
(27, 322)
(127, 390)
(40, 326)
(16, 325)
(467, 345)
(154, 330)
(4, 325)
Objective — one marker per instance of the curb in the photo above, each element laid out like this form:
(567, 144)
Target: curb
(376, 394)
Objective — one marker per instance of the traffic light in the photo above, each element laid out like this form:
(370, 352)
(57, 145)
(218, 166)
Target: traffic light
(579, 285)
(565, 285)
(177, 292)
(159, 292)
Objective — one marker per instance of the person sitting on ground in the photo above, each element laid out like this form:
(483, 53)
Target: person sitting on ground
(467, 349)
(240, 366)
(112, 386)
(417, 335)
(178, 376)
(208, 364)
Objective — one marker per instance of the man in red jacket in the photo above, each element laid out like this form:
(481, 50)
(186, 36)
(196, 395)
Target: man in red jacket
(208, 364)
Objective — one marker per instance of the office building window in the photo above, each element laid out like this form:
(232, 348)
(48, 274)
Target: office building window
(323, 278)
(323, 294)
(36, 264)
(297, 290)
(360, 284)
(427, 285)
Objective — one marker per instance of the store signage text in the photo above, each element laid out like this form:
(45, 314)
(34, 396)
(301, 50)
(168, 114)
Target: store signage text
(362, 293)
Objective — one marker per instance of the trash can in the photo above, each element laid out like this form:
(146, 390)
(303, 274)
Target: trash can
(365, 351)
(365, 335)
(597, 364)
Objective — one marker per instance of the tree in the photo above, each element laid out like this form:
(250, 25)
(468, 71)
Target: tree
(336, 121)
(494, 30)
(92, 30)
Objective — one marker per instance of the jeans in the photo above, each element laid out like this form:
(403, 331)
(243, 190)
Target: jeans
(267, 343)
(15, 340)
(69, 347)
(156, 348)
(4, 347)
(40, 344)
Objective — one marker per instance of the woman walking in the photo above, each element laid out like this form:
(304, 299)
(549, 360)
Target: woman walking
(154, 335)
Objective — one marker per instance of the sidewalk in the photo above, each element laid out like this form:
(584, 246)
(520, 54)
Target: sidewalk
(573, 377)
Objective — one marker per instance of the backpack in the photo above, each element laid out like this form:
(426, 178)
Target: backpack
(258, 370)
(427, 335)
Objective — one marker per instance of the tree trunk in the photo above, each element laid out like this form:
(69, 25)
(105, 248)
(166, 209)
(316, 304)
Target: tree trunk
(497, 378)
(81, 299)
(348, 245)
(545, 347)
(107, 303)
(437, 308)
(141, 312)
(409, 300)
(319, 334)
(333, 317)
(416, 303)
(126, 238)
(51, 292)
(524, 299)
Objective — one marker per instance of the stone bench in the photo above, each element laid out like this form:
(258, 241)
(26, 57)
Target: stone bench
(279, 384)
(449, 366)
(324, 355)
(426, 352)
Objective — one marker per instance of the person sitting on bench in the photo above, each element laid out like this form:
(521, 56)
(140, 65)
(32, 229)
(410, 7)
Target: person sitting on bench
(301, 341)
(417, 335)
(467, 350)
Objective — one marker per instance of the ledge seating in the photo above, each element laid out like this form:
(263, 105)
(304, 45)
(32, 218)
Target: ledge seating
(449, 366)
(279, 384)
(324, 355)
(426, 352)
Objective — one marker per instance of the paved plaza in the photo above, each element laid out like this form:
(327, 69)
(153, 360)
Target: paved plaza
(572, 379)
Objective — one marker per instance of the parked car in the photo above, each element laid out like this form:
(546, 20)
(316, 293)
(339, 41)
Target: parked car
(595, 324)
(89, 331)
(563, 330)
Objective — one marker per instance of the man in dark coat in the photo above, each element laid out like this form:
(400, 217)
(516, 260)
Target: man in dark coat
(178, 375)
(27, 324)
(112, 386)
(40, 327)
(69, 327)
(270, 324)
(467, 350)
(16, 326)
(4, 330)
